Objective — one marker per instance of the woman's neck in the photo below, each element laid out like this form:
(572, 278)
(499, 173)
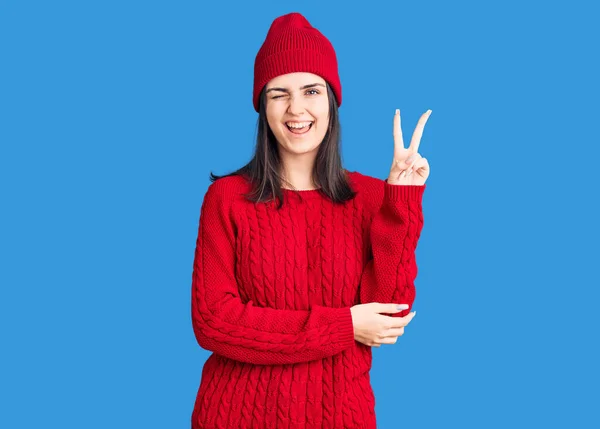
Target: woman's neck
(298, 180)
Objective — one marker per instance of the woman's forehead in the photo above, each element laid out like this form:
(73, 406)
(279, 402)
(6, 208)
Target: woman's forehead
(293, 80)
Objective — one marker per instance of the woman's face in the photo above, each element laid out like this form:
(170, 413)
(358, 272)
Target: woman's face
(299, 100)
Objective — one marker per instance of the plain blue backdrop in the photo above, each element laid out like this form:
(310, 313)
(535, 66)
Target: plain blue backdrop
(113, 113)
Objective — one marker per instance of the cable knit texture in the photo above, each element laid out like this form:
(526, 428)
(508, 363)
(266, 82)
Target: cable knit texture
(271, 297)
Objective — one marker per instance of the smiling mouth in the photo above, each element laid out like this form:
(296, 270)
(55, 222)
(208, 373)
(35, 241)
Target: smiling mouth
(299, 130)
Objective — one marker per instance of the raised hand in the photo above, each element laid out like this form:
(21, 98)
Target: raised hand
(408, 166)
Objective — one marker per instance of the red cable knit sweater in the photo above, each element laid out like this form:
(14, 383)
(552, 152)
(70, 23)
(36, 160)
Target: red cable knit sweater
(271, 298)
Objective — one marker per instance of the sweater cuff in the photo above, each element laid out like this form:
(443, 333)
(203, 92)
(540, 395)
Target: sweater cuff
(403, 192)
(346, 327)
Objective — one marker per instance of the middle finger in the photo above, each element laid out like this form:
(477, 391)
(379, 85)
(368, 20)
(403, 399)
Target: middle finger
(416, 138)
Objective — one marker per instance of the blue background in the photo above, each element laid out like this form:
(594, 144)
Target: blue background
(112, 114)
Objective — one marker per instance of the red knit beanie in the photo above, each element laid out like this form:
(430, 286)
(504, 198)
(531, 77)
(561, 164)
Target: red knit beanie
(293, 45)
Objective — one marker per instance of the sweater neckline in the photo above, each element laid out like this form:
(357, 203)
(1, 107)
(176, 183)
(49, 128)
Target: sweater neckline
(304, 193)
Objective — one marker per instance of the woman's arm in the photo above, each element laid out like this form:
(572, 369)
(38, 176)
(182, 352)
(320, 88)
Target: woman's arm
(389, 274)
(225, 325)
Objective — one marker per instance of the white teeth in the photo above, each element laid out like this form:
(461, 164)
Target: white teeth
(298, 124)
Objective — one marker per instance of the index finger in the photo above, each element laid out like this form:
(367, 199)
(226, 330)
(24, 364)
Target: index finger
(397, 132)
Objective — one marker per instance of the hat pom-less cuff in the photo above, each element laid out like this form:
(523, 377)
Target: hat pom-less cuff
(294, 61)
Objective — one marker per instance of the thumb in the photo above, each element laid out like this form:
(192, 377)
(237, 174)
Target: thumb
(391, 308)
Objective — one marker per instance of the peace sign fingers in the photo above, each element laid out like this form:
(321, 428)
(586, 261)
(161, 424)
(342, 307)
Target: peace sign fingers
(408, 160)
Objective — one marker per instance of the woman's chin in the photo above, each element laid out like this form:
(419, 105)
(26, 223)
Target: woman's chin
(300, 148)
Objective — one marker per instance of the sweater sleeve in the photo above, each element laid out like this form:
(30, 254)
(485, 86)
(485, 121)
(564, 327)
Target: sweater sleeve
(388, 276)
(242, 331)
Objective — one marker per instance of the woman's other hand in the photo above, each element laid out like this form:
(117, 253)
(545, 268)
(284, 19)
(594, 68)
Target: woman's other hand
(374, 329)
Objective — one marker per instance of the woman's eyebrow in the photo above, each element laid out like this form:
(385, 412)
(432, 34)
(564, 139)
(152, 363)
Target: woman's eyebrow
(303, 87)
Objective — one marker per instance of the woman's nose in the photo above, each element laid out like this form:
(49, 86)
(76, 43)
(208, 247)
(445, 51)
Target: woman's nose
(296, 105)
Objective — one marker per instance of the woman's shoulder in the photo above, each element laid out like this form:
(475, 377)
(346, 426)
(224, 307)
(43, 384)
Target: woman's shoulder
(366, 184)
(227, 188)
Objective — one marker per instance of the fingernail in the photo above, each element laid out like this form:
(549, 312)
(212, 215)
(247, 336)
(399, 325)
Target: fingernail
(410, 159)
(397, 111)
(414, 313)
(402, 306)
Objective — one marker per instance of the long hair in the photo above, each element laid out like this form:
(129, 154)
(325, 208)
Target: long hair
(263, 170)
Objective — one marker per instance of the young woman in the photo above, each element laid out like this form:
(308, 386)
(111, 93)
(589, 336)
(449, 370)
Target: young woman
(300, 265)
